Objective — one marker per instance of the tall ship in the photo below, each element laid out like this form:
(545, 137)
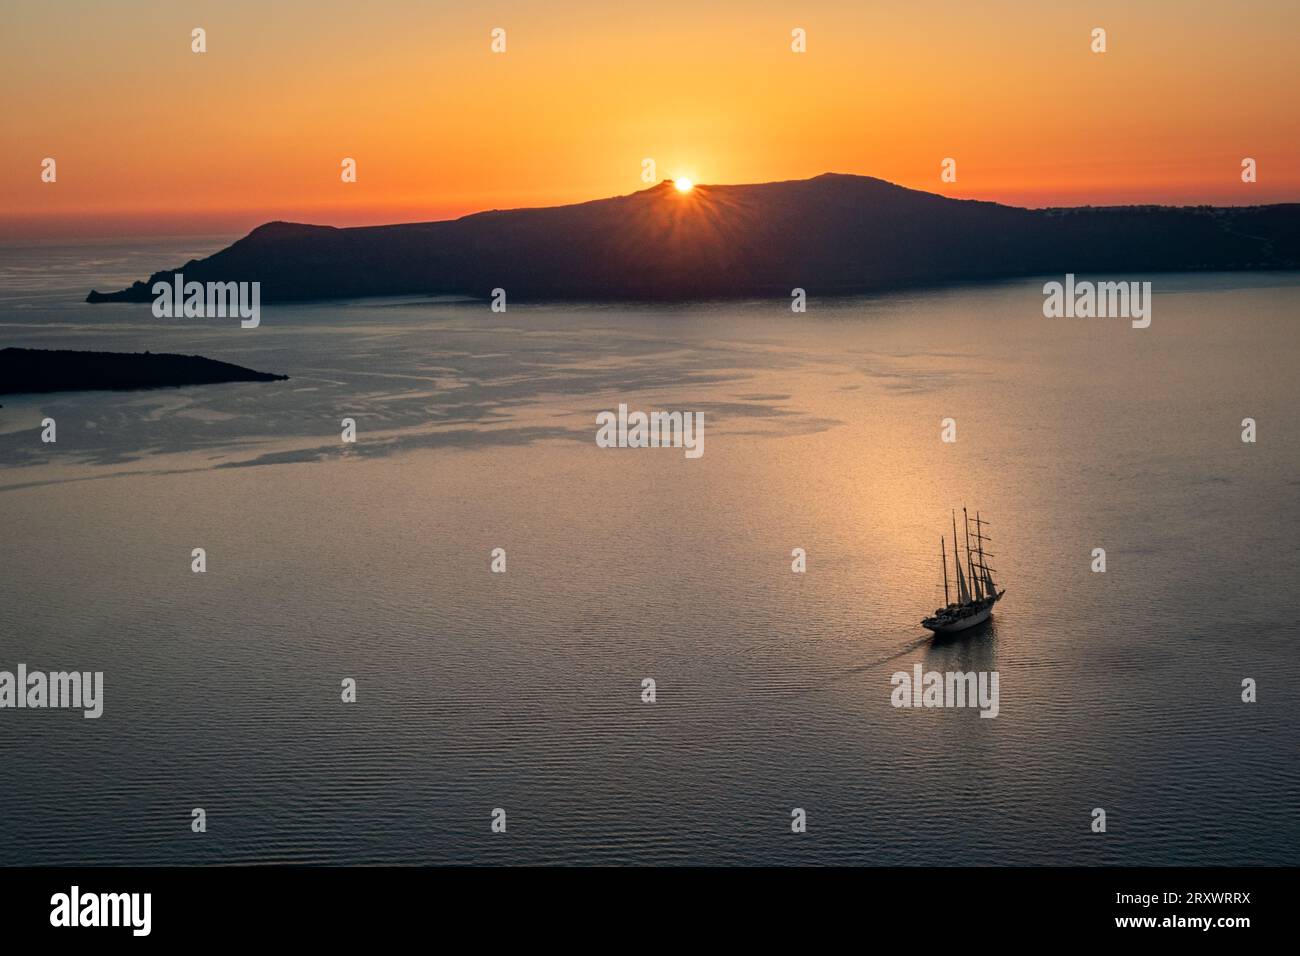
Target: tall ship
(976, 592)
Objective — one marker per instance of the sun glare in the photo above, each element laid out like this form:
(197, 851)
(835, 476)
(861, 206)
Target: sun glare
(683, 185)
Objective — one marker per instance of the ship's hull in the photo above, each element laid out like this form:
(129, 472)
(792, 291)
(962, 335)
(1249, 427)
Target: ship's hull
(961, 622)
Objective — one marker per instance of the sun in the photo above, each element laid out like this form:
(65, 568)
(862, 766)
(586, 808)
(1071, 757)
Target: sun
(683, 185)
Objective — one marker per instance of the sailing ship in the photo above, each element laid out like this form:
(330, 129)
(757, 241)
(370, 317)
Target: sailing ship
(976, 592)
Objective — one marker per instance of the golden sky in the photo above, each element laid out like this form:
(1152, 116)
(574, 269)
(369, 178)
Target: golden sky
(150, 137)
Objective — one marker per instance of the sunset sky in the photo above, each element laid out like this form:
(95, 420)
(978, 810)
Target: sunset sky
(152, 138)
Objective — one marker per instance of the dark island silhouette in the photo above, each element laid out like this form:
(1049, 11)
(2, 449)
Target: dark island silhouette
(833, 234)
(25, 371)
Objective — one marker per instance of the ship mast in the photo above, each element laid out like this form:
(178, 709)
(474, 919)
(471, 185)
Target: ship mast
(985, 571)
(963, 595)
(943, 556)
(976, 585)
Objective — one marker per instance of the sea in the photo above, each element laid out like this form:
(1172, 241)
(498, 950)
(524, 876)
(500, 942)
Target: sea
(651, 679)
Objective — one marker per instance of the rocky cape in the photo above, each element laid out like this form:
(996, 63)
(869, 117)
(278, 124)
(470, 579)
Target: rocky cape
(833, 234)
(27, 371)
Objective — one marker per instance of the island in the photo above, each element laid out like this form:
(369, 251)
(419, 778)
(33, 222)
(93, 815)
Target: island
(28, 371)
(833, 234)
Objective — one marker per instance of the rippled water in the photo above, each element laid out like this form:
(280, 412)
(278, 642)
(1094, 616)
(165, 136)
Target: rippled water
(522, 691)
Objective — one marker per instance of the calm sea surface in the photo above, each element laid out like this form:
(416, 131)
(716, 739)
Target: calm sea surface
(522, 690)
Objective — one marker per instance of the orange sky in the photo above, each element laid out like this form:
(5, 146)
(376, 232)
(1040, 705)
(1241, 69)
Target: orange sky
(151, 138)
